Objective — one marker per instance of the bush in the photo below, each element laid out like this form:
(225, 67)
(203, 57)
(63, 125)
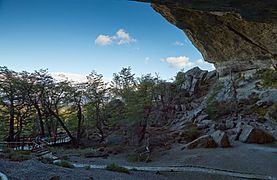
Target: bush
(273, 112)
(216, 110)
(190, 134)
(64, 163)
(138, 158)
(64, 158)
(116, 168)
(46, 160)
(16, 155)
(268, 77)
(87, 167)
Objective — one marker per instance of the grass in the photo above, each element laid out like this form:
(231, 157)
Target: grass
(191, 133)
(64, 163)
(137, 158)
(16, 155)
(273, 112)
(46, 160)
(117, 168)
(66, 158)
(78, 152)
(215, 109)
(87, 167)
(268, 77)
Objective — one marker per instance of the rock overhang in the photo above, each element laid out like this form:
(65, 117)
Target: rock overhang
(234, 35)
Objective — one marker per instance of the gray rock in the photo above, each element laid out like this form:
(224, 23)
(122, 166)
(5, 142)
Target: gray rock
(193, 79)
(250, 134)
(229, 124)
(221, 138)
(223, 32)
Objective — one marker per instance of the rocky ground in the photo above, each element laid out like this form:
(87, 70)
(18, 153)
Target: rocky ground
(245, 158)
(35, 170)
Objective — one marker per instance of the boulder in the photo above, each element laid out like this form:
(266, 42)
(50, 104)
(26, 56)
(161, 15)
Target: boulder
(116, 139)
(221, 138)
(205, 141)
(250, 134)
(193, 79)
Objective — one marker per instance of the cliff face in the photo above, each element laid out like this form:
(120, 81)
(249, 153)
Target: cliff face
(236, 36)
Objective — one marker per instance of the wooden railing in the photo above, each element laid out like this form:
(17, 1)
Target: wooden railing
(30, 144)
(24, 146)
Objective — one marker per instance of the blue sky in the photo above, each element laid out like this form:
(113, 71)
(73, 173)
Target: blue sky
(78, 36)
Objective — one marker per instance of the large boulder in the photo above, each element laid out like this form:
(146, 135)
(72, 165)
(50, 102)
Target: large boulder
(193, 79)
(205, 141)
(221, 138)
(250, 134)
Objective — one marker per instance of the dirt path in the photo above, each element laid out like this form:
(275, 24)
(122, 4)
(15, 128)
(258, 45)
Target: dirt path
(184, 169)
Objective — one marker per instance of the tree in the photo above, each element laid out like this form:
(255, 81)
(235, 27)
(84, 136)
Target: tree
(9, 96)
(78, 99)
(123, 82)
(96, 92)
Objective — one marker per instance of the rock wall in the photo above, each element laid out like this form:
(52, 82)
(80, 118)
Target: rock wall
(236, 36)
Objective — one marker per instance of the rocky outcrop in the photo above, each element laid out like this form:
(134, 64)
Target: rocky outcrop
(193, 80)
(234, 35)
(255, 135)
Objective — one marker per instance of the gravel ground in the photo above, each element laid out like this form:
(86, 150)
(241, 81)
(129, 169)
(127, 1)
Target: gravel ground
(248, 158)
(35, 170)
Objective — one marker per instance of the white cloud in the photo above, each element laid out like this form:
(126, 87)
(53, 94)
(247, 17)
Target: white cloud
(103, 40)
(200, 61)
(121, 37)
(75, 77)
(178, 43)
(61, 76)
(146, 60)
(179, 62)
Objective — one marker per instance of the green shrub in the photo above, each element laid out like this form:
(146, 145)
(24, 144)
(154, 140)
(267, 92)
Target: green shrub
(116, 168)
(138, 158)
(268, 77)
(272, 112)
(16, 155)
(46, 160)
(64, 158)
(190, 134)
(87, 167)
(216, 110)
(64, 163)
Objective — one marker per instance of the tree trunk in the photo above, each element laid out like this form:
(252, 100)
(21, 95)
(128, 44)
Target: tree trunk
(62, 124)
(80, 117)
(11, 123)
(98, 123)
(41, 124)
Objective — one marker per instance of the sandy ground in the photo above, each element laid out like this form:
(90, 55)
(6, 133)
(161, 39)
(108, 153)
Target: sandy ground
(248, 158)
